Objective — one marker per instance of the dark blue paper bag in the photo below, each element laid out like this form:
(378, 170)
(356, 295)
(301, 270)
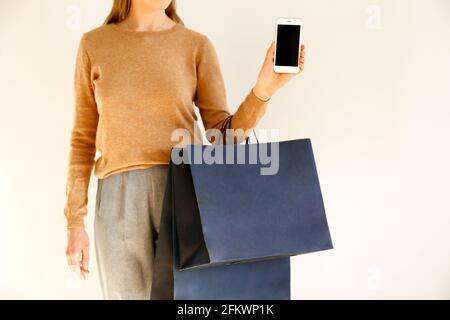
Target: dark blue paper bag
(227, 230)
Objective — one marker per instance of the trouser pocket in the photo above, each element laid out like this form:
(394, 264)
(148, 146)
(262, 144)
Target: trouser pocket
(98, 198)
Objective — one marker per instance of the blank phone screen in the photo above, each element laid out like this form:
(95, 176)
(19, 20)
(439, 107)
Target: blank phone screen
(288, 41)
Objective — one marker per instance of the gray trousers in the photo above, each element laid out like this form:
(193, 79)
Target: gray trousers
(127, 219)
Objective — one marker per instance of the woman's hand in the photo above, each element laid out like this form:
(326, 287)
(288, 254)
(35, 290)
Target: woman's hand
(268, 80)
(77, 252)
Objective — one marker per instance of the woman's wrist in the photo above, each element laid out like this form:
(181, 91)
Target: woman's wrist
(75, 224)
(261, 92)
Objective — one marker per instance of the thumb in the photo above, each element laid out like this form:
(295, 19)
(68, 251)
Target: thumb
(270, 52)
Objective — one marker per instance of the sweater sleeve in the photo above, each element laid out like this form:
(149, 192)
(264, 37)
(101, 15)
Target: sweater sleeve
(82, 140)
(211, 98)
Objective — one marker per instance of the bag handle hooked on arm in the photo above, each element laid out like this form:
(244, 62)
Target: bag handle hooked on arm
(228, 126)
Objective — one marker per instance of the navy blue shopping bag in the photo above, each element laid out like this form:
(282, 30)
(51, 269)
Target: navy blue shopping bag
(228, 229)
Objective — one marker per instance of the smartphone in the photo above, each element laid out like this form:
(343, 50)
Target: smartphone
(288, 36)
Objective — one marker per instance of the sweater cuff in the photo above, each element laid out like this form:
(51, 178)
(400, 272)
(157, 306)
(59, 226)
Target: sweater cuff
(75, 222)
(255, 108)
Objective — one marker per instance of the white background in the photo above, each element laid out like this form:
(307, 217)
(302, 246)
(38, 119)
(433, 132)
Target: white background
(374, 99)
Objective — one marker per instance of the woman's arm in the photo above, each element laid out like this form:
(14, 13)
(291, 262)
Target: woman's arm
(81, 160)
(211, 94)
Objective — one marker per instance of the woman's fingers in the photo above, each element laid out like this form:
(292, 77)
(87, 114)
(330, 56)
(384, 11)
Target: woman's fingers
(85, 259)
(73, 259)
(77, 252)
(72, 256)
(269, 81)
(301, 60)
(78, 261)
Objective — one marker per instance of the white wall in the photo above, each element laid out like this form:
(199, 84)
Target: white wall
(374, 99)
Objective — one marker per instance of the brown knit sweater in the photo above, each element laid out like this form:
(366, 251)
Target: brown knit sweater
(132, 89)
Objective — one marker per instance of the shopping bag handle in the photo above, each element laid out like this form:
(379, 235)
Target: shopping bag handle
(228, 126)
(248, 137)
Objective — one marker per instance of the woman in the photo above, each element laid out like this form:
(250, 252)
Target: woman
(136, 79)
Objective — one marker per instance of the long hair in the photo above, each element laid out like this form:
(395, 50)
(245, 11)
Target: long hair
(121, 8)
